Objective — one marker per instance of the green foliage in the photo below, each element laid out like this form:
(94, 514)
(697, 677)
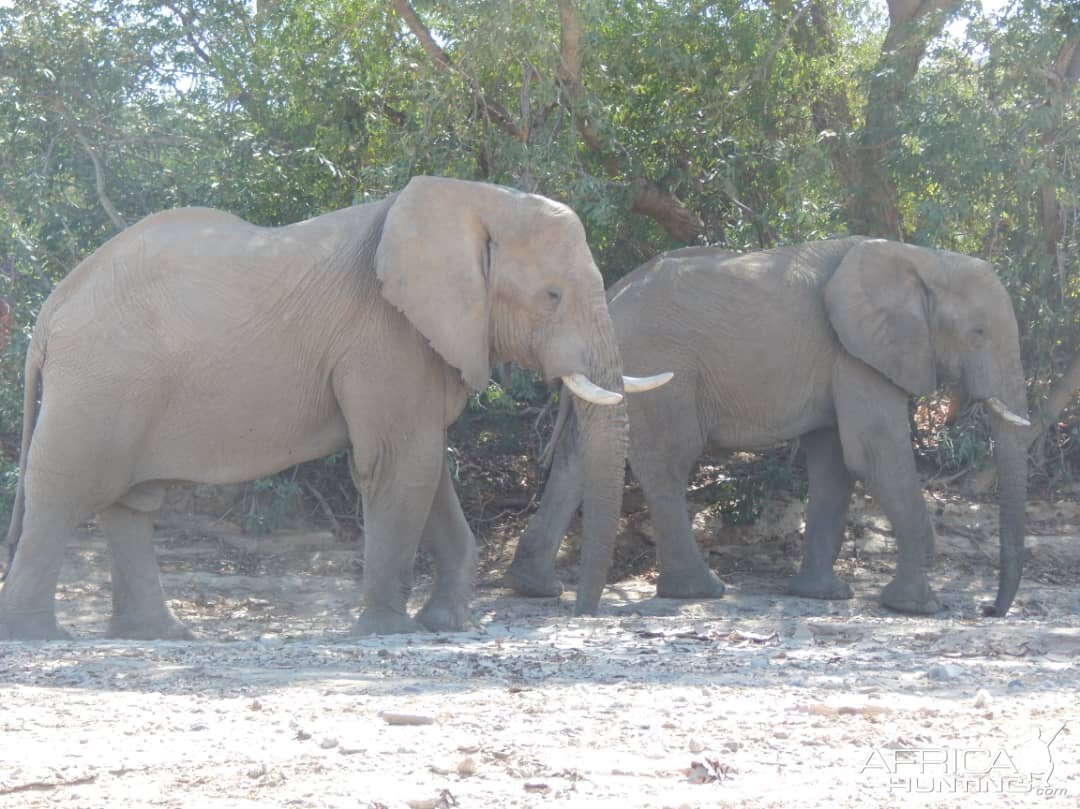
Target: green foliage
(976, 159)
(962, 445)
(272, 499)
(495, 417)
(740, 495)
(25, 292)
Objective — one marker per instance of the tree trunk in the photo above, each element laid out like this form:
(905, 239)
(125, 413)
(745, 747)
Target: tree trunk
(1063, 76)
(874, 208)
(862, 162)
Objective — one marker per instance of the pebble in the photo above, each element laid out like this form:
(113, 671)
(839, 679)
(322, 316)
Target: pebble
(944, 671)
(392, 718)
(982, 698)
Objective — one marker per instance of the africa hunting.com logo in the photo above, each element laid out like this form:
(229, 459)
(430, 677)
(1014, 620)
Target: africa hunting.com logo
(1026, 768)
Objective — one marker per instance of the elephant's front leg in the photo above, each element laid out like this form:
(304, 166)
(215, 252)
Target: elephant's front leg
(397, 489)
(450, 541)
(139, 608)
(830, 486)
(872, 414)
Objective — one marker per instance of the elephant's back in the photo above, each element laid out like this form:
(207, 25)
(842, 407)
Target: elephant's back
(129, 253)
(747, 336)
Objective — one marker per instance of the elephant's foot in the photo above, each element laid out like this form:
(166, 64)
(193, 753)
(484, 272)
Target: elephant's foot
(31, 625)
(910, 594)
(383, 621)
(697, 582)
(440, 615)
(828, 587)
(139, 627)
(533, 579)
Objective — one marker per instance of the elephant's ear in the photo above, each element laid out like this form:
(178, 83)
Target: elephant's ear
(431, 261)
(880, 309)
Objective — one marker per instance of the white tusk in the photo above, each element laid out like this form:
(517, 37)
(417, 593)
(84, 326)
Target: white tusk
(999, 407)
(584, 388)
(640, 384)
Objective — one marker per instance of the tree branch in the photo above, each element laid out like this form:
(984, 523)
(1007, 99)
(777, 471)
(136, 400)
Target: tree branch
(236, 89)
(99, 169)
(99, 181)
(648, 199)
(668, 210)
(493, 111)
(1060, 395)
(435, 53)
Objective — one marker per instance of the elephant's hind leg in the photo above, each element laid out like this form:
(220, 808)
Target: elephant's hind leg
(826, 514)
(450, 541)
(139, 608)
(28, 597)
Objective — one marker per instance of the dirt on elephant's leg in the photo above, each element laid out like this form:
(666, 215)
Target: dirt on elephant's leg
(450, 541)
(139, 608)
(830, 487)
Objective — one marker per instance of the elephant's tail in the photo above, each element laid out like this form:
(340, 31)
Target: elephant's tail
(35, 358)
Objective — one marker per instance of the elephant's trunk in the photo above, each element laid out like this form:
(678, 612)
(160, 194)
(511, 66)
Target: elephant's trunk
(604, 441)
(1010, 452)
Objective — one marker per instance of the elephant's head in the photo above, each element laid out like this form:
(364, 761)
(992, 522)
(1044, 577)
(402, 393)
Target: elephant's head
(488, 274)
(918, 315)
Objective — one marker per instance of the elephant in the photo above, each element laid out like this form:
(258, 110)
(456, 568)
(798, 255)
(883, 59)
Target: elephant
(822, 342)
(194, 346)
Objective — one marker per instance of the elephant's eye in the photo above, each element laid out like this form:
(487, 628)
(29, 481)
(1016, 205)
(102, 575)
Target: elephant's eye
(554, 295)
(979, 331)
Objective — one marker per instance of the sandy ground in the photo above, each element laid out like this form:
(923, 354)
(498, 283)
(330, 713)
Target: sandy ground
(754, 700)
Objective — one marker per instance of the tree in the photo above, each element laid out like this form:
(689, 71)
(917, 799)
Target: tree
(733, 123)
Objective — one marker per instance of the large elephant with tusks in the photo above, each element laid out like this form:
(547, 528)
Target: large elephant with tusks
(194, 346)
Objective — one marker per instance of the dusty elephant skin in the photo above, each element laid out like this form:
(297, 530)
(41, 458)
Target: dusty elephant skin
(823, 342)
(197, 347)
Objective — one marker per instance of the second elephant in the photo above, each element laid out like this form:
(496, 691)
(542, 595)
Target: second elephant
(824, 342)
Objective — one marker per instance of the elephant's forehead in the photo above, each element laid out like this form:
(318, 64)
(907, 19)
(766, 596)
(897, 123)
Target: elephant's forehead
(556, 234)
(969, 272)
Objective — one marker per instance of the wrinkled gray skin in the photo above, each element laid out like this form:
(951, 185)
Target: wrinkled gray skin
(197, 347)
(823, 342)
